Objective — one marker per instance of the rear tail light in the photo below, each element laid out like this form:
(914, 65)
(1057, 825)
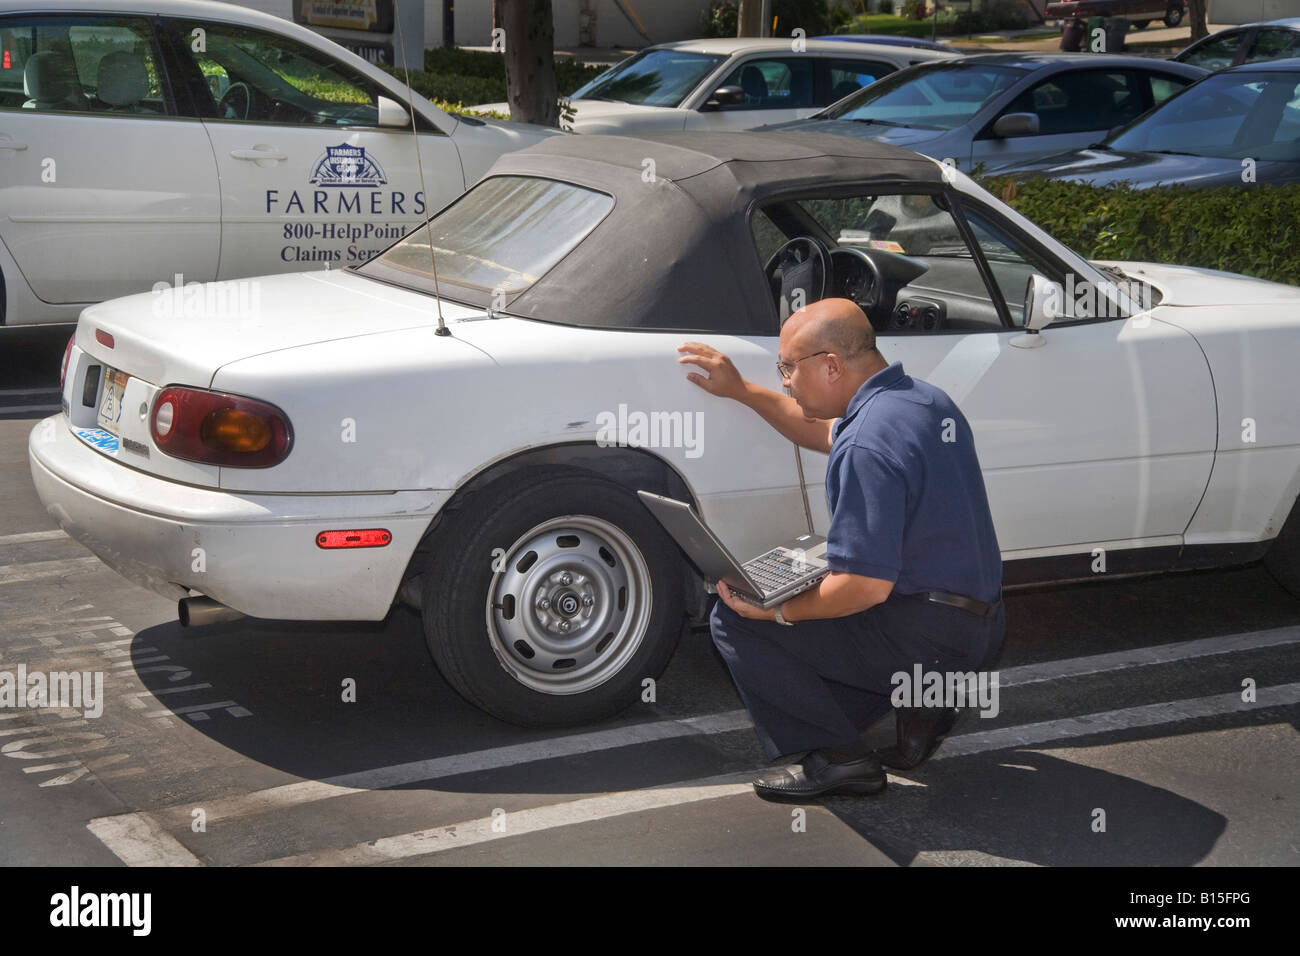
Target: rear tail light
(67, 354)
(219, 429)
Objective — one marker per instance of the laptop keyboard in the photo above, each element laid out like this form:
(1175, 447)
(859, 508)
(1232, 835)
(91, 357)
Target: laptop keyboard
(772, 571)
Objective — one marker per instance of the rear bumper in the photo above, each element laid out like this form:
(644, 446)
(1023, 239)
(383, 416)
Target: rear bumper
(256, 553)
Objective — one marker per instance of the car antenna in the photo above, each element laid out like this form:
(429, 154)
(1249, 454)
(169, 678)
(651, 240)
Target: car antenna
(419, 164)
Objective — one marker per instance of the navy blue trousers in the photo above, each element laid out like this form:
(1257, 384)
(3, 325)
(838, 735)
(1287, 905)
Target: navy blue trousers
(820, 683)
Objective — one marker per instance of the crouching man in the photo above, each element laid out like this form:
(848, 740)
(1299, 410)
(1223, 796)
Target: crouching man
(916, 575)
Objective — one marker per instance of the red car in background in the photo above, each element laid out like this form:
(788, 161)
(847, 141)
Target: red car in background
(1139, 12)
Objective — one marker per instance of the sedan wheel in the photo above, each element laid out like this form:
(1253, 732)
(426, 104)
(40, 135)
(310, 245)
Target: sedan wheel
(1174, 15)
(550, 597)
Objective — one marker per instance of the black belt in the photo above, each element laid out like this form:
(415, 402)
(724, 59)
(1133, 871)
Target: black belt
(978, 608)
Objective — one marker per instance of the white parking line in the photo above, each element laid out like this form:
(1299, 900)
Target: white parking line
(138, 840)
(520, 822)
(1143, 656)
(13, 573)
(309, 791)
(53, 535)
(1110, 721)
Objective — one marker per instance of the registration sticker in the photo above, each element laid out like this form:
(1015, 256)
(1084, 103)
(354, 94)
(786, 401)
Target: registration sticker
(98, 438)
(110, 400)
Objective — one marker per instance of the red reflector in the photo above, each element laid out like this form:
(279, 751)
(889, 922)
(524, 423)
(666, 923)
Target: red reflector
(103, 338)
(370, 538)
(6, 59)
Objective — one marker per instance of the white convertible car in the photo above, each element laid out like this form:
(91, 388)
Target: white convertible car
(351, 440)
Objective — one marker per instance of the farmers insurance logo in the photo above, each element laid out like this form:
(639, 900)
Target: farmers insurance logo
(345, 165)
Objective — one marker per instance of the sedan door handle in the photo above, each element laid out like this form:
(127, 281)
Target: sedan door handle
(259, 153)
(13, 146)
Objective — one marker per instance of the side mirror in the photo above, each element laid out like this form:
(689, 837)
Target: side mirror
(392, 113)
(725, 96)
(1042, 305)
(1015, 124)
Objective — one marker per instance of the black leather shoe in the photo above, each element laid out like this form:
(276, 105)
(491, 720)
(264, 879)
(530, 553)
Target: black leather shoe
(817, 776)
(920, 730)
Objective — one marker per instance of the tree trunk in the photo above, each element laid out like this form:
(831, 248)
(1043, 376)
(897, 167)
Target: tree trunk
(529, 39)
(749, 23)
(1196, 14)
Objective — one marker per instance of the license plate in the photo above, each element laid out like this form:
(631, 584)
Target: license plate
(110, 401)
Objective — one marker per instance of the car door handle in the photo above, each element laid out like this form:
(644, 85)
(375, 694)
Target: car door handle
(13, 146)
(259, 153)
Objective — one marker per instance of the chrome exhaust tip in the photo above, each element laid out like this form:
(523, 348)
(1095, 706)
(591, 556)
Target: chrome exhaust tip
(198, 611)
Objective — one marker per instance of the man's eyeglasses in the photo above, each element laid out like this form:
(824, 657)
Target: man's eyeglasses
(788, 370)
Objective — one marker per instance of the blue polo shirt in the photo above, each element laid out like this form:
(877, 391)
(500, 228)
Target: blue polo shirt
(906, 493)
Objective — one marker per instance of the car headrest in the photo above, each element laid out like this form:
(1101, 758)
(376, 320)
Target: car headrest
(123, 80)
(48, 78)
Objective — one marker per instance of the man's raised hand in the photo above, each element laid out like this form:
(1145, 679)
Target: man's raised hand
(722, 379)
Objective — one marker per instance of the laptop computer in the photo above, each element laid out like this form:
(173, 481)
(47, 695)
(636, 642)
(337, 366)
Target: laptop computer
(766, 580)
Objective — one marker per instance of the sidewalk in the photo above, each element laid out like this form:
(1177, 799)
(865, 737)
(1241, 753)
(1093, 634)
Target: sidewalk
(1155, 40)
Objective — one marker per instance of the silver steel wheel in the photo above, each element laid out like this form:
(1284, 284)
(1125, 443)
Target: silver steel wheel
(570, 604)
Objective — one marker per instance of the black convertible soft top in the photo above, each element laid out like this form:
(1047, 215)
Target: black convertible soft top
(676, 251)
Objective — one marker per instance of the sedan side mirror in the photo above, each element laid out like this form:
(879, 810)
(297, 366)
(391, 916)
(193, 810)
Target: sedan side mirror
(1042, 305)
(725, 96)
(1015, 124)
(392, 113)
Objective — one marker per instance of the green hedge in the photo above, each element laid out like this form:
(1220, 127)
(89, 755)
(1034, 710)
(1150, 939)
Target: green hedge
(1252, 229)
(472, 76)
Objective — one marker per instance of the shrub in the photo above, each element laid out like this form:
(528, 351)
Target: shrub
(720, 19)
(1209, 228)
(913, 9)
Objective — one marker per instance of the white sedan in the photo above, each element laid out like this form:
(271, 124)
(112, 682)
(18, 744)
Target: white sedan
(731, 84)
(182, 141)
(463, 422)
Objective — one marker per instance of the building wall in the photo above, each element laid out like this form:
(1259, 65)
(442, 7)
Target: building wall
(1250, 11)
(577, 22)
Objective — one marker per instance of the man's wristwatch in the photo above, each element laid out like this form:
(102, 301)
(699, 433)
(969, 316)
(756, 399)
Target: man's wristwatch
(780, 618)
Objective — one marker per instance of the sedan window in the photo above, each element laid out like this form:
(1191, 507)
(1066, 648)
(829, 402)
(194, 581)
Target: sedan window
(86, 65)
(1082, 101)
(656, 77)
(933, 96)
(849, 76)
(1216, 54)
(258, 77)
(1275, 45)
(786, 83)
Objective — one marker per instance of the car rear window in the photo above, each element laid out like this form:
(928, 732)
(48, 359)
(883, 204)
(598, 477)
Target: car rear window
(499, 238)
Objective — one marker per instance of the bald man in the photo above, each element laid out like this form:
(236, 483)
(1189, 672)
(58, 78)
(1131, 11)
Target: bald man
(915, 572)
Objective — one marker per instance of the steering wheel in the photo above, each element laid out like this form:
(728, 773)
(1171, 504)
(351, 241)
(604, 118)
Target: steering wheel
(223, 105)
(868, 297)
(804, 264)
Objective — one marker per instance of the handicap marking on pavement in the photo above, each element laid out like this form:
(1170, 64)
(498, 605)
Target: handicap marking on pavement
(79, 644)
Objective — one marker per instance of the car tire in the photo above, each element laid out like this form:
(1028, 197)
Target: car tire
(1283, 557)
(609, 575)
(1174, 15)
